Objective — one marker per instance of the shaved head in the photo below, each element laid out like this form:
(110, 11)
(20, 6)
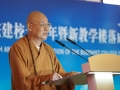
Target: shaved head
(36, 17)
(38, 28)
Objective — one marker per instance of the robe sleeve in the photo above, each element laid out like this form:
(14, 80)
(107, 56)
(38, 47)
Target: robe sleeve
(57, 65)
(21, 77)
(59, 69)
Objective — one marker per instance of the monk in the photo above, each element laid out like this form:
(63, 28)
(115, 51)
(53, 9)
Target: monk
(33, 61)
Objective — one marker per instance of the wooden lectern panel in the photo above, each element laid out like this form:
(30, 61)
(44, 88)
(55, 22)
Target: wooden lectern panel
(105, 62)
(102, 63)
(77, 79)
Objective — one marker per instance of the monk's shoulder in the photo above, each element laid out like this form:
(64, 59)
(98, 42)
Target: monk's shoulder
(21, 43)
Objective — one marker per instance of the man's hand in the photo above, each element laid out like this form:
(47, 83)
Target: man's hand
(56, 76)
(76, 73)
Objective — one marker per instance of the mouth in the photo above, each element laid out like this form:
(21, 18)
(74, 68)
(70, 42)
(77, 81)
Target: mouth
(45, 34)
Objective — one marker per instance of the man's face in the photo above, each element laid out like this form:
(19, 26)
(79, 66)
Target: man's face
(40, 28)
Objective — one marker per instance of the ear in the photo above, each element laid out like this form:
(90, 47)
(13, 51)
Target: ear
(29, 25)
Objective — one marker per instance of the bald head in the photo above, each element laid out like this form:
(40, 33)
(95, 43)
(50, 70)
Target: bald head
(36, 17)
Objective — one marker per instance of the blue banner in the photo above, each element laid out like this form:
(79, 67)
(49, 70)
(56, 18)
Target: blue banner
(93, 26)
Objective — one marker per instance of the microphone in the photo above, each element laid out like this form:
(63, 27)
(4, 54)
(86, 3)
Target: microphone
(78, 45)
(69, 49)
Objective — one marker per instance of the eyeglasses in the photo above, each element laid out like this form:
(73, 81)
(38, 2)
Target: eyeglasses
(43, 25)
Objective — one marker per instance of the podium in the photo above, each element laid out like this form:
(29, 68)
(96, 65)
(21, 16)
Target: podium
(98, 73)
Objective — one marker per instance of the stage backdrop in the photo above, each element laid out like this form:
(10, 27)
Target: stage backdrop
(93, 26)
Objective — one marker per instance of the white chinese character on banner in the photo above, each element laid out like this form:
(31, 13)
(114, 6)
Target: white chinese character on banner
(62, 31)
(83, 35)
(93, 34)
(52, 33)
(7, 30)
(19, 30)
(102, 36)
(73, 33)
(112, 36)
(118, 37)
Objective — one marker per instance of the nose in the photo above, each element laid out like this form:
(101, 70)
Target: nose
(46, 28)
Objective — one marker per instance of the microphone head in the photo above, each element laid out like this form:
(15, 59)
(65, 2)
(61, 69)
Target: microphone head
(70, 41)
(69, 48)
(60, 43)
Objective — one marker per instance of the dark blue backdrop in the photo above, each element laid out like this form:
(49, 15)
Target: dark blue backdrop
(94, 26)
